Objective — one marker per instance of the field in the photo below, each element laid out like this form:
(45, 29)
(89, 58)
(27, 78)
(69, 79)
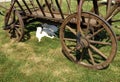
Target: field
(33, 61)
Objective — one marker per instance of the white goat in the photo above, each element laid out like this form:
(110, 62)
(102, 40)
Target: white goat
(46, 32)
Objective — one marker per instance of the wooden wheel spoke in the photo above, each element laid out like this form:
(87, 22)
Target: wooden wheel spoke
(98, 42)
(91, 56)
(98, 51)
(71, 48)
(95, 33)
(18, 31)
(88, 24)
(17, 35)
(81, 53)
(17, 25)
(72, 30)
(70, 39)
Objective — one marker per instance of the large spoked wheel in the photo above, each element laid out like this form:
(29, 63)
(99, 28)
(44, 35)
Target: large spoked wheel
(97, 46)
(15, 26)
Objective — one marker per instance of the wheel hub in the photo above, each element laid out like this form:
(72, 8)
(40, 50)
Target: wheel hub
(83, 43)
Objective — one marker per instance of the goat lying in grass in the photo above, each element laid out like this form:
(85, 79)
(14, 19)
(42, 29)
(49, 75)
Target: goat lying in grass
(46, 31)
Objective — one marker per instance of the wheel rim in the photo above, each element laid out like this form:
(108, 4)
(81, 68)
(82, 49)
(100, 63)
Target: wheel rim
(94, 52)
(16, 30)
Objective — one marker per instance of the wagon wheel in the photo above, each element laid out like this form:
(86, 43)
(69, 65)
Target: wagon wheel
(112, 16)
(98, 45)
(15, 26)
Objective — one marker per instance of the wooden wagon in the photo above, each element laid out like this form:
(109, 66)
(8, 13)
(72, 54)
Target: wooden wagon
(86, 38)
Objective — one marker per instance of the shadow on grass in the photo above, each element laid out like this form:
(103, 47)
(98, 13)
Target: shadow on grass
(32, 24)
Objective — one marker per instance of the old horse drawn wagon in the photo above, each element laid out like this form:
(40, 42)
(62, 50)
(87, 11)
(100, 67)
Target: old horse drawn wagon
(86, 38)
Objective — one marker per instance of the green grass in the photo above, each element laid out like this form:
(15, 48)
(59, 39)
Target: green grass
(33, 61)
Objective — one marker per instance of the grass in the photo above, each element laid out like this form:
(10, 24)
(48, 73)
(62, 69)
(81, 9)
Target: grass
(33, 61)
